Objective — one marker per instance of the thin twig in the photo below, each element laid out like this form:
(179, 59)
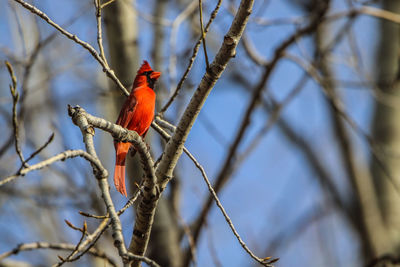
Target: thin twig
(99, 31)
(58, 246)
(110, 73)
(222, 209)
(274, 116)
(376, 150)
(49, 140)
(225, 170)
(363, 10)
(126, 206)
(172, 66)
(15, 97)
(166, 136)
(203, 35)
(91, 240)
(69, 257)
(106, 4)
(73, 226)
(191, 61)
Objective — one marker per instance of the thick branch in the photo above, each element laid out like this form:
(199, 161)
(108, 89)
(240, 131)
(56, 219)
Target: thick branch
(78, 116)
(121, 134)
(141, 233)
(174, 147)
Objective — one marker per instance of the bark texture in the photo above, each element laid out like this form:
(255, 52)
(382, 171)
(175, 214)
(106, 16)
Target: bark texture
(386, 129)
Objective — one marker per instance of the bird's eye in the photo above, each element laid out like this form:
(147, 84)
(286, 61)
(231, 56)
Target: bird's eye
(147, 73)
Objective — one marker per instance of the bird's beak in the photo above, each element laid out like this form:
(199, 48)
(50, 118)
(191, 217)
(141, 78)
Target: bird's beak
(155, 75)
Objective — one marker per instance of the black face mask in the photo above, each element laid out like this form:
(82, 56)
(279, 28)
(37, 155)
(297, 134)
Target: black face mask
(150, 81)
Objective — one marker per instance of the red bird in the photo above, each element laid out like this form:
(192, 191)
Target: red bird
(136, 114)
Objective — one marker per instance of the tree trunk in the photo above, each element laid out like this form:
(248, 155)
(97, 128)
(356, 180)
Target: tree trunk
(386, 129)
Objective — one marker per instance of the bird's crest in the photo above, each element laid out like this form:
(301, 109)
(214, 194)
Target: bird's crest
(144, 68)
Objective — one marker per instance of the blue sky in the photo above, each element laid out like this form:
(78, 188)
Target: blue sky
(272, 188)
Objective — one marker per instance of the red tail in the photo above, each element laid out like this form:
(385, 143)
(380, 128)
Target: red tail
(119, 173)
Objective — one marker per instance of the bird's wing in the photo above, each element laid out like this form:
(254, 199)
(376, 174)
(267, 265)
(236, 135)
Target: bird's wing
(127, 111)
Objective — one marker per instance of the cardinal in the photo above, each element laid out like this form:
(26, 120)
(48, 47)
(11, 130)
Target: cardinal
(136, 114)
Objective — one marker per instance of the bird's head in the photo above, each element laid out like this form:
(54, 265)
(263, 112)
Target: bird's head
(146, 75)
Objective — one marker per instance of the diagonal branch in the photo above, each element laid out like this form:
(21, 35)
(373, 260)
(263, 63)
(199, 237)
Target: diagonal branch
(226, 168)
(174, 147)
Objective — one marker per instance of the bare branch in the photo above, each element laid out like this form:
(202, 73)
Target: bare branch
(51, 138)
(172, 66)
(226, 168)
(69, 257)
(60, 157)
(166, 136)
(352, 12)
(73, 37)
(85, 122)
(59, 246)
(376, 150)
(174, 147)
(78, 116)
(226, 216)
(106, 4)
(191, 61)
(203, 35)
(15, 97)
(126, 206)
(120, 134)
(99, 31)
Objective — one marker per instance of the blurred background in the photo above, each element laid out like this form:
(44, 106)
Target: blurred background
(313, 180)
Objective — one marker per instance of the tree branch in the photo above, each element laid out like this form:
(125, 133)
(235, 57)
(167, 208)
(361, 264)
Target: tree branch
(15, 97)
(191, 61)
(174, 148)
(59, 157)
(110, 73)
(226, 168)
(59, 246)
